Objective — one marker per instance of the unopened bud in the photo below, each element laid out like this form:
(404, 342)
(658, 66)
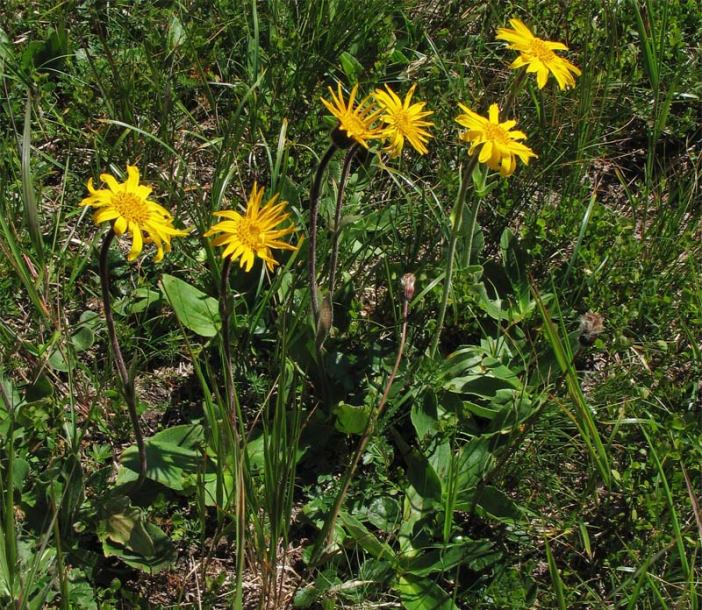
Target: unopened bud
(326, 315)
(591, 327)
(407, 283)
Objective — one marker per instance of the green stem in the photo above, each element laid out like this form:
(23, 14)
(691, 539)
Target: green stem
(60, 565)
(225, 314)
(234, 422)
(328, 529)
(314, 210)
(473, 223)
(450, 261)
(237, 602)
(128, 389)
(514, 90)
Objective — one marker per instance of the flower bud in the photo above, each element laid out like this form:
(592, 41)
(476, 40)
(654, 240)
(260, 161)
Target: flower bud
(324, 324)
(591, 327)
(407, 283)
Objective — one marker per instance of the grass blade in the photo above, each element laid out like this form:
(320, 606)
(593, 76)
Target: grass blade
(555, 577)
(31, 213)
(583, 418)
(674, 519)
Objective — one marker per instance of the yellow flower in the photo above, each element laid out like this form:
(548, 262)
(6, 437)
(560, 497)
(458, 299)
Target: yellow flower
(356, 121)
(500, 145)
(403, 120)
(127, 205)
(254, 233)
(538, 55)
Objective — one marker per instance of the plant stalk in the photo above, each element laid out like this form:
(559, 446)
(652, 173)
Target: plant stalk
(328, 529)
(515, 88)
(225, 314)
(337, 217)
(234, 421)
(451, 257)
(314, 211)
(514, 91)
(128, 389)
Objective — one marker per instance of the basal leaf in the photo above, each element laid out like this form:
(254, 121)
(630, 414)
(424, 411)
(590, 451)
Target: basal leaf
(195, 310)
(167, 463)
(364, 537)
(498, 504)
(351, 419)
(423, 594)
(443, 559)
(423, 477)
(161, 556)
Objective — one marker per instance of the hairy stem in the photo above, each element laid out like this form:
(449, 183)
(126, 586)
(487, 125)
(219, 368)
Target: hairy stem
(451, 257)
(128, 389)
(328, 529)
(225, 315)
(337, 217)
(238, 451)
(314, 210)
(515, 88)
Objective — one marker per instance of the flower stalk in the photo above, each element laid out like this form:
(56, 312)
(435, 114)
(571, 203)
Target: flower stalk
(346, 170)
(451, 257)
(225, 315)
(314, 212)
(500, 156)
(128, 389)
(328, 529)
(232, 405)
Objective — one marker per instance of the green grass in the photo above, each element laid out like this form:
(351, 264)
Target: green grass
(512, 466)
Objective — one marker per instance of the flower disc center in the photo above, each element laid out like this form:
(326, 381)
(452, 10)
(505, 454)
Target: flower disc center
(131, 207)
(540, 51)
(495, 133)
(401, 121)
(250, 234)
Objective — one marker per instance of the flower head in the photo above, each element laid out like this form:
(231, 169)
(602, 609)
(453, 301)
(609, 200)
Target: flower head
(498, 141)
(254, 233)
(355, 120)
(127, 205)
(538, 55)
(403, 120)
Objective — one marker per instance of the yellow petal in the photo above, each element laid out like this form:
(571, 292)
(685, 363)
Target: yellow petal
(541, 78)
(111, 182)
(132, 178)
(104, 215)
(120, 225)
(137, 242)
(486, 152)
